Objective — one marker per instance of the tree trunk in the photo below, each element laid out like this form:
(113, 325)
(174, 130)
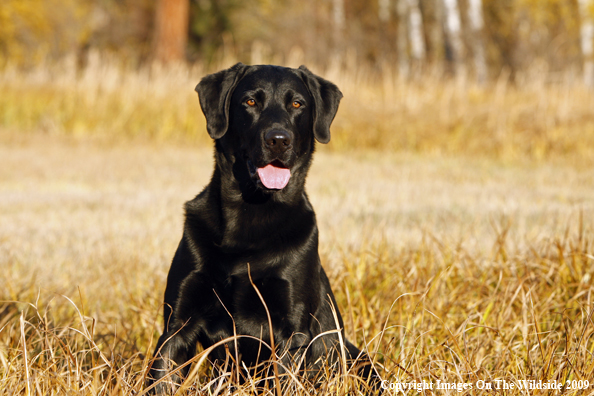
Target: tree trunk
(171, 30)
(453, 28)
(415, 30)
(339, 20)
(436, 33)
(475, 16)
(402, 43)
(383, 10)
(587, 36)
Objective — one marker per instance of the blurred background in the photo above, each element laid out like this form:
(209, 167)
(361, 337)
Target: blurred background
(482, 38)
(460, 174)
(502, 78)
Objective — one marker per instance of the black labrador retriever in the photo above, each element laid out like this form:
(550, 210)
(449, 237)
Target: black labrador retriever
(254, 227)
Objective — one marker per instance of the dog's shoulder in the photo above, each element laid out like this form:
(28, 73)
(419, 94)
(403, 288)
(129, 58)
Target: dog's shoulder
(202, 215)
(198, 204)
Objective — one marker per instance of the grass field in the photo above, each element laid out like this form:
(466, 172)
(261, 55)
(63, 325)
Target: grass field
(457, 265)
(530, 119)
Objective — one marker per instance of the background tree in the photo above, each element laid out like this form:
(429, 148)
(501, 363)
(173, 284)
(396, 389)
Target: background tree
(453, 36)
(415, 30)
(587, 38)
(33, 31)
(402, 37)
(488, 37)
(171, 29)
(475, 17)
(338, 20)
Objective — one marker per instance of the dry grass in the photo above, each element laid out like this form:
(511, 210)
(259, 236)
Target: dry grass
(456, 226)
(448, 269)
(533, 118)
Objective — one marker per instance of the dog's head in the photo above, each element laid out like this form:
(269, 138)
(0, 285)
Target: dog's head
(265, 119)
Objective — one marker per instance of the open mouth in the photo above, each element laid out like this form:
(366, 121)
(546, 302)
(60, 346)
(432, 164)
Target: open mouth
(274, 176)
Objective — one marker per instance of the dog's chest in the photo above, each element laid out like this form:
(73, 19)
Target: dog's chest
(236, 303)
(242, 296)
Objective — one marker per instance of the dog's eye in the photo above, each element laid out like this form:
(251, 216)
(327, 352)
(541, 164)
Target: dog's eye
(296, 104)
(250, 102)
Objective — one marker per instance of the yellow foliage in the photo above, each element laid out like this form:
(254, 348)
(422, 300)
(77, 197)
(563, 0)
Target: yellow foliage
(30, 30)
(548, 13)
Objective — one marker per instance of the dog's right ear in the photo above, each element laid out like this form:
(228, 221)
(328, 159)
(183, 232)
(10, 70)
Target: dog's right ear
(214, 93)
(326, 98)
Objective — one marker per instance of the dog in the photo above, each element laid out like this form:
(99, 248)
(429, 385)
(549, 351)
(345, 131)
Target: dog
(251, 234)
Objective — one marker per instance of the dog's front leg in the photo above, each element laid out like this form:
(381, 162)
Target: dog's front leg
(174, 348)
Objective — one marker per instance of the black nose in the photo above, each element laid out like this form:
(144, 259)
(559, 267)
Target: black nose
(278, 141)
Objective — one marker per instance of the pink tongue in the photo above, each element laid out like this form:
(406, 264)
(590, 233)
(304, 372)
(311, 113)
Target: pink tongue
(274, 177)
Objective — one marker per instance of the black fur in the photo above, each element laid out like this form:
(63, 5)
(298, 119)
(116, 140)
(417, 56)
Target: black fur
(236, 220)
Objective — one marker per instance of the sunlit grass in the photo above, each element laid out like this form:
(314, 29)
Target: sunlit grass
(455, 226)
(449, 270)
(437, 313)
(430, 113)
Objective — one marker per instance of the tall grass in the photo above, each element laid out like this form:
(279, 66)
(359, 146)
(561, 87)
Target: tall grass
(535, 117)
(442, 274)
(433, 312)
(451, 257)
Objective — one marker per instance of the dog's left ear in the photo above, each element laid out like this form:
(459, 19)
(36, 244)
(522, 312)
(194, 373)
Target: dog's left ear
(214, 93)
(326, 99)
